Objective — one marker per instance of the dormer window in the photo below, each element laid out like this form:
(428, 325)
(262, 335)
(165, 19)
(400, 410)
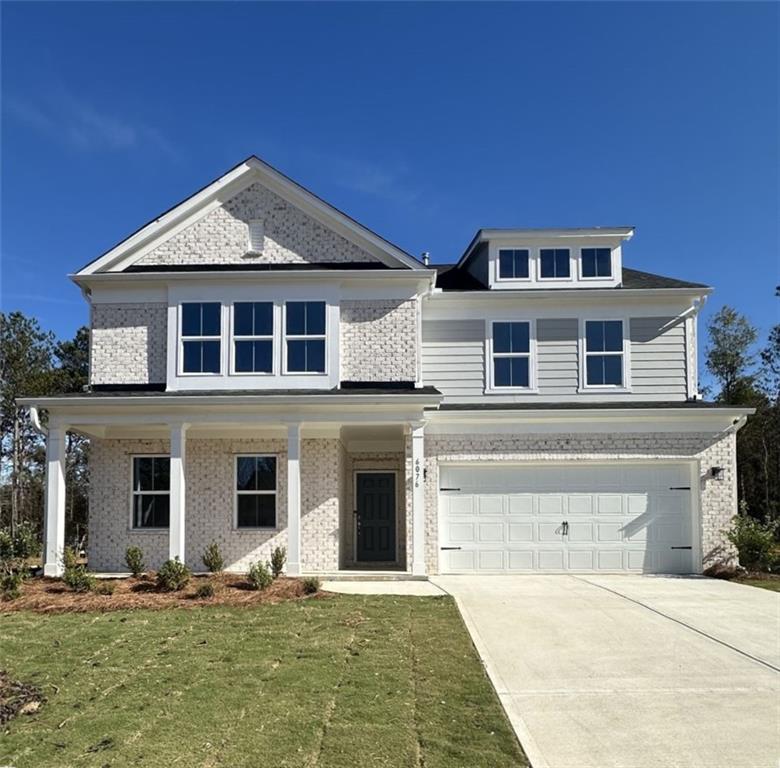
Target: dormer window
(513, 264)
(554, 263)
(256, 235)
(596, 262)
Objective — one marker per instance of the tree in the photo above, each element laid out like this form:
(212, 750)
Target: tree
(728, 356)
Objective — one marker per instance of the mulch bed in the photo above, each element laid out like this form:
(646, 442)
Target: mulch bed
(17, 698)
(52, 596)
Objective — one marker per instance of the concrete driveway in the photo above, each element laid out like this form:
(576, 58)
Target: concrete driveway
(630, 671)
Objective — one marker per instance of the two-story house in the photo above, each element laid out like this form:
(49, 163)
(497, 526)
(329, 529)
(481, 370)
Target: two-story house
(267, 371)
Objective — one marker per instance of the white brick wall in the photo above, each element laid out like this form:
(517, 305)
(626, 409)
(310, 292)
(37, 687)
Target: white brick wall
(291, 237)
(379, 340)
(128, 344)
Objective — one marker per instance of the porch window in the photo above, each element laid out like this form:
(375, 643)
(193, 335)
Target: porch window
(201, 333)
(253, 336)
(151, 491)
(604, 353)
(255, 491)
(305, 336)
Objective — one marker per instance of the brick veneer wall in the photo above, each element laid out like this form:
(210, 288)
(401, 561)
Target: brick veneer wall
(128, 344)
(718, 497)
(379, 340)
(291, 236)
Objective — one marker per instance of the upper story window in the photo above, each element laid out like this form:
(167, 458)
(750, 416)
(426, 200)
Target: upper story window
(554, 263)
(253, 337)
(255, 491)
(201, 335)
(604, 353)
(511, 354)
(513, 264)
(151, 491)
(596, 262)
(305, 337)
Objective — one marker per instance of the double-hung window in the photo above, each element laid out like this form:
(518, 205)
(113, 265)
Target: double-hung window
(512, 354)
(554, 263)
(596, 262)
(255, 491)
(604, 353)
(151, 491)
(513, 263)
(201, 335)
(305, 336)
(253, 337)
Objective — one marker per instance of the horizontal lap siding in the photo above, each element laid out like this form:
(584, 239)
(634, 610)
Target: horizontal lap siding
(556, 349)
(453, 356)
(658, 359)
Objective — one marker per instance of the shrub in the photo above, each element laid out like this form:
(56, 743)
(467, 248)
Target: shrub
(754, 541)
(278, 558)
(311, 585)
(104, 587)
(212, 558)
(15, 549)
(205, 590)
(10, 585)
(78, 579)
(259, 576)
(70, 558)
(134, 558)
(173, 576)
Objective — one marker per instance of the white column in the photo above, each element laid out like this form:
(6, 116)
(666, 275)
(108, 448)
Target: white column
(178, 492)
(294, 500)
(418, 499)
(54, 519)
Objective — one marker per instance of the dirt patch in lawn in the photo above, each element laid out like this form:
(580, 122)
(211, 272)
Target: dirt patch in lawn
(52, 596)
(17, 698)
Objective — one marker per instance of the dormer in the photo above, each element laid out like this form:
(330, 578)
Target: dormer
(518, 259)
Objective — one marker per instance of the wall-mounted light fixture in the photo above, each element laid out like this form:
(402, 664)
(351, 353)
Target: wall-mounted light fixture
(716, 473)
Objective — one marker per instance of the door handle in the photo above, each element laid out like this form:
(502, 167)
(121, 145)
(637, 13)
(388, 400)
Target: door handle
(565, 526)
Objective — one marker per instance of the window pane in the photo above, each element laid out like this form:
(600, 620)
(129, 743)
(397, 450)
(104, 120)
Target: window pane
(613, 336)
(589, 262)
(211, 319)
(256, 511)
(263, 356)
(245, 473)
(315, 318)
(210, 356)
(242, 319)
(594, 336)
(502, 372)
(513, 262)
(296, 356)
(554, 262)
(143, 477)
(521, 337)
(152, 511)
(264, 318)
(265, 473)
(244, 356)
(502, 337)
(613, 370)
(519, 371)
(191, 363)
(547, 262)
(296, 318)
(161, 473)
(190, 320)
(561, 262)
(603, 262)
(594, 369)
(506, 266)
(315, 356)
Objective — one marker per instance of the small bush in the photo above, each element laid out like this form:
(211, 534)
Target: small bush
(134, 558)
(104, 587)
(205, 590)
(260, 576)
(212, 558)
(278, 559)
(173, 576)
(70, 558)
(78, 579)
(754, 541)
(311, 585)
(10, 585)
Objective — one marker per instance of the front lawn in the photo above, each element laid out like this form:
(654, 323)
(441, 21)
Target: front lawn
(764, 582)
(334, 682)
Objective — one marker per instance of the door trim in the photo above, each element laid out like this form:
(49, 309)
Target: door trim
(355, 473)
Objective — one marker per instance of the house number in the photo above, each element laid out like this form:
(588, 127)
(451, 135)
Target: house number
(417, 473)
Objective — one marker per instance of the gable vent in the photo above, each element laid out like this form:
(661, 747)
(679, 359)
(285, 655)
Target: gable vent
(256, 233)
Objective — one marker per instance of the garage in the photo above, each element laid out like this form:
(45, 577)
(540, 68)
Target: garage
(583, 517)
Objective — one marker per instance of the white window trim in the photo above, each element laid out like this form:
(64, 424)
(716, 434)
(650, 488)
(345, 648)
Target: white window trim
(597, 278)
(626, 386)
(237, 493)
(530, 252)
(568, 279)
(133, 493)
(309, 337)
(273, 338)
(183, 338)
(533, 384)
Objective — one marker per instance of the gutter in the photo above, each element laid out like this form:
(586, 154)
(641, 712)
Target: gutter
(35, 418)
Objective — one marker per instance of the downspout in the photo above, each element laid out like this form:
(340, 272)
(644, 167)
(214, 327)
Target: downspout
(35, 419)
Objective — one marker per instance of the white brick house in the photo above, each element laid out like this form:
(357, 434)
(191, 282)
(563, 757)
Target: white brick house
(265, 370)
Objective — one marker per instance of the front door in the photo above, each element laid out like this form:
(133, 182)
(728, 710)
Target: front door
(375, 516)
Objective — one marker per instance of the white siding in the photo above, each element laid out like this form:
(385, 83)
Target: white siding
(658, 360)
(453, 356)
(557, 351)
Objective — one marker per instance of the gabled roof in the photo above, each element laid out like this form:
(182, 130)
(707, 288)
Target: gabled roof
(249, 171)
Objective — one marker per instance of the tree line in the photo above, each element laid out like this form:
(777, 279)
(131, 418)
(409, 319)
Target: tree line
(34, 363)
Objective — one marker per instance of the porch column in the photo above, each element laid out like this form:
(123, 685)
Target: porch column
(293, 500)
(177, 492)
(54, 518)
(418, 499)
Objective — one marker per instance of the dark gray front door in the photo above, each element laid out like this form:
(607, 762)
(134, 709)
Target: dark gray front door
(375, 518)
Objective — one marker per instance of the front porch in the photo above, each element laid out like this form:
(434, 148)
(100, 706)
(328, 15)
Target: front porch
(336, 487)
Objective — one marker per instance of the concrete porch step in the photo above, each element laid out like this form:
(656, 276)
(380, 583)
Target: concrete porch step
(368, 576)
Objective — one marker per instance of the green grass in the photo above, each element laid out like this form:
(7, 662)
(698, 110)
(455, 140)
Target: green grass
(332, 683)
(770, 584)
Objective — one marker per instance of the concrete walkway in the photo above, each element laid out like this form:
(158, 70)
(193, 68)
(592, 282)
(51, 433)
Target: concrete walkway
(415, 588)
(630, 671)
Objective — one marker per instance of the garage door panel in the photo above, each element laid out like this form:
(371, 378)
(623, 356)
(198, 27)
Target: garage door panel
(460, 560)
(520, 560)
(521, 504)
(580, 560)
(609, 504)
(491, 533)
(551, 559)
(461, 533)
(610, 560)
(461, 505)
(581, 532)
(551, 504)
(521, 532)
(609, 533)
(549, 532)
(490, 505)
(491, 560)
(580, 505)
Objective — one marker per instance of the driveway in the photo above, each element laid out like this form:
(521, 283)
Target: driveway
(630, 671)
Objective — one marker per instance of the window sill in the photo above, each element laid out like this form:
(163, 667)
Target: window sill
(511, 391)
(149, 530)
(603, 389)
(262, 529)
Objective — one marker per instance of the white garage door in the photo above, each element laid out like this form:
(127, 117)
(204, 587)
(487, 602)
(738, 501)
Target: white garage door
(584, 517)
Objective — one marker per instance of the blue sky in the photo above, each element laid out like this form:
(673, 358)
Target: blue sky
(423, 121)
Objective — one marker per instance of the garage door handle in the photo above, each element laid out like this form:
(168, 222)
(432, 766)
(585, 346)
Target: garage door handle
(450, 547)
(680, 547)
(680, 488)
